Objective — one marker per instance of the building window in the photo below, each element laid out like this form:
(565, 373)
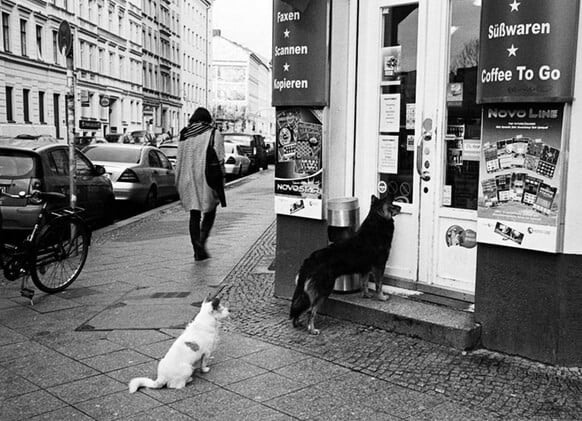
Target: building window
(39, 41)
(56, 47)
(23, 37)
(41, 107)
(26, 105)
(6, 31)
(9, 104)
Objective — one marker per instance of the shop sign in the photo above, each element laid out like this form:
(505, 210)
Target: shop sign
(298, 171)
(300, 52)
(104, 101)
(89, 124)
(521, 173)
(527, 51)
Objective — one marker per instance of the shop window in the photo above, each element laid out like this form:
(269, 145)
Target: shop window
(397, 102)
(463, 138)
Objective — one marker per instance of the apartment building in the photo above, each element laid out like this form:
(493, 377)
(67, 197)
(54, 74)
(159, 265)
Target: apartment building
(196, 56)
(32, 71)
(129, 70)
(241, 87)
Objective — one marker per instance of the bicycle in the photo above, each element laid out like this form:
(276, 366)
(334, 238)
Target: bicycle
(53, 253)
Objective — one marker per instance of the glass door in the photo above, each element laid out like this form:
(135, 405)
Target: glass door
(421, 127)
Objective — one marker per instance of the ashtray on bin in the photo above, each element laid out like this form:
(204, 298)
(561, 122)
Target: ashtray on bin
(343, 216)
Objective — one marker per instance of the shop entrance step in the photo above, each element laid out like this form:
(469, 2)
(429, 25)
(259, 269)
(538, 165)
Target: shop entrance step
(431, 322)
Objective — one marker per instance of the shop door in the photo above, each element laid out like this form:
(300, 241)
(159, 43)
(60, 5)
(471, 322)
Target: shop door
(417, 66)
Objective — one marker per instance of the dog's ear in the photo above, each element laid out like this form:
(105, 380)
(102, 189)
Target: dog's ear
(373, 199)
(215, 304)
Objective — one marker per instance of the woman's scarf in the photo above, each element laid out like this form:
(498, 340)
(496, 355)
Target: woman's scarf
(195, 129)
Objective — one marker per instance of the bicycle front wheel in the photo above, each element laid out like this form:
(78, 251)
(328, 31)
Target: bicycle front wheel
(59, 253)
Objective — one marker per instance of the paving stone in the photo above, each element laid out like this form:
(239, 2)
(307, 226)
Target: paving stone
(265, 386)
(311, 371)
(115, 360)
(274, 357)
(68, 414)
(217, 404)
(28, 405)
(87, 388)
(230, 371)
(13, 385)
(120, 405)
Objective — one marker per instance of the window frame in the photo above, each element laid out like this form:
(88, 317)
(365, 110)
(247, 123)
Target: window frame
(6, 31)
(23, 51)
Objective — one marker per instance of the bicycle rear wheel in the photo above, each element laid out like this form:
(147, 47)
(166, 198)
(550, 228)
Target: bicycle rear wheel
(59, 253)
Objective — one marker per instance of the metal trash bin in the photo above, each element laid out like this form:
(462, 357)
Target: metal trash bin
(343, 217)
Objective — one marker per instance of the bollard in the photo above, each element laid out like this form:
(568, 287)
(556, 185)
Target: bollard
(343, 216)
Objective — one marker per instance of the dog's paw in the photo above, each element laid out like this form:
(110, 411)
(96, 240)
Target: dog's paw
(382, 297)
(205, 369)
(314, 331)
(366, 295)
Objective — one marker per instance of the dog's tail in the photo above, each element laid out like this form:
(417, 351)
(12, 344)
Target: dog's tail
(138, 382)
(300, 301)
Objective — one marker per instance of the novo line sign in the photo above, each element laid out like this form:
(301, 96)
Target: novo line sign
(300, 52)
(527, 51)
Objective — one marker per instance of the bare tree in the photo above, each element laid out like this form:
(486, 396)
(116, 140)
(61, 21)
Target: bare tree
(468, 57)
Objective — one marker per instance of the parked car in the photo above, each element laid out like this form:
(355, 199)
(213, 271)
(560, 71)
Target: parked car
(252, 145)
(171, 151)
(142, 137)
(42, 163)
(236, 163)
(270, 147)
(141, 174)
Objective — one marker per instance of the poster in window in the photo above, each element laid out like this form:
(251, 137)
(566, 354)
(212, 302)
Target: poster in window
(390, 113)
(521, 176)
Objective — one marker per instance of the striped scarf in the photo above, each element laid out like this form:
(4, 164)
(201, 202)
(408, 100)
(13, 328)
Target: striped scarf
(195, 129)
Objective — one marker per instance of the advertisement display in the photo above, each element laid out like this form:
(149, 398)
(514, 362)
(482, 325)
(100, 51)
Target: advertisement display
(521, 173)
(300, 52)
(526, 51)
(298, 170)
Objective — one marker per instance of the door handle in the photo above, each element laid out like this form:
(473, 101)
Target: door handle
(421, 169)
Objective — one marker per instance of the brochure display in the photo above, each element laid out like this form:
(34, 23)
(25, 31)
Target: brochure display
(521, 174)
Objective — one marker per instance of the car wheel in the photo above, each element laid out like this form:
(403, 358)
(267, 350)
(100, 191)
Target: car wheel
(151, 199)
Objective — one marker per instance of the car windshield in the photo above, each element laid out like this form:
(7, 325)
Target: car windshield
(245, 140)
(120, 154)
(169, 151)
(15, 165)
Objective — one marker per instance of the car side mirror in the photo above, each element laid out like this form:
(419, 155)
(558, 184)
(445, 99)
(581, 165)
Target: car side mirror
(99, 169)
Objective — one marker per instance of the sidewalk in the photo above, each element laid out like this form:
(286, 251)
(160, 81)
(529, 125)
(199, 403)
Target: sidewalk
(71, 355)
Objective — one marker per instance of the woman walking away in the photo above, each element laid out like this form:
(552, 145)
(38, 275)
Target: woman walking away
(196, 195)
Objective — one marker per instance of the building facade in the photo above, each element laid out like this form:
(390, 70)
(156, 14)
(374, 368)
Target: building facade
(472, 128)
(241, 88)
(130, 73)
(196, 57)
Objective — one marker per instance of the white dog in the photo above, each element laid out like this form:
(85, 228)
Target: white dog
(196, 343)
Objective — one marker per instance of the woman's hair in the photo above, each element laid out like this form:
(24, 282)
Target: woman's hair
(201, 115)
